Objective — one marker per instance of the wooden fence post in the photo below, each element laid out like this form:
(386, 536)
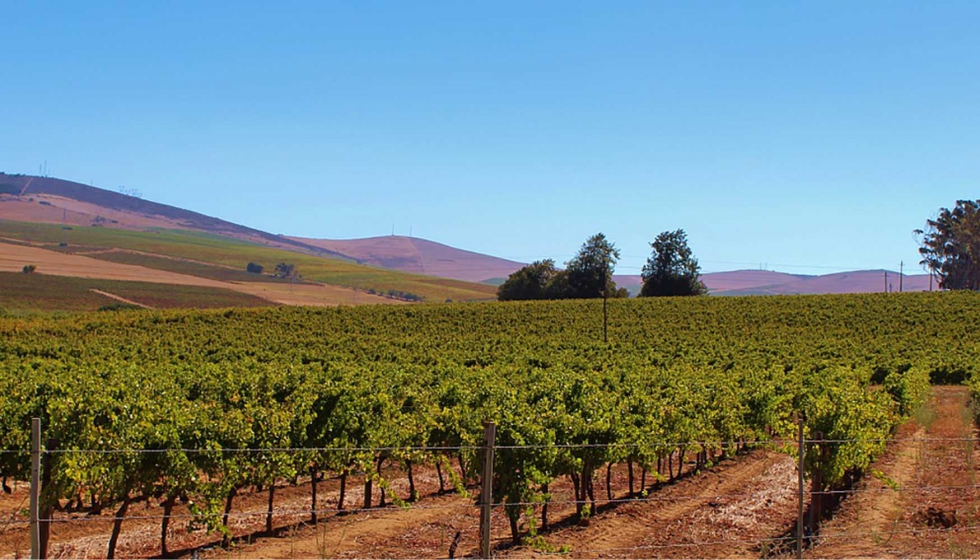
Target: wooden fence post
(35, 487)
(800, 490)
(816, 487)
(45, 501)
(486, 495)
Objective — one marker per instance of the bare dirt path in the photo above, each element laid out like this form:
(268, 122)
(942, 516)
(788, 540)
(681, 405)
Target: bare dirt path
(924, 502)
(120, 298)
(721, 512)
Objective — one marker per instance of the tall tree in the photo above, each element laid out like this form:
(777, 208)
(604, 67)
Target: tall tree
(672, 269)
(950, 246)
(590, 272)
(530, 282)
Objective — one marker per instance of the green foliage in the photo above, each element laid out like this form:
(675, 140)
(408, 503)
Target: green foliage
(284, 270)
(951, 246)
(908, 389)
(355, 386)
(590, 271)
(534, 281)
(672, 269)
(119, 306)
(29, 269)
(587, 275)
(254, 268)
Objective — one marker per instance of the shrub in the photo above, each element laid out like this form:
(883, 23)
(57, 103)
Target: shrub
(119, 307)
(285, 270)
(254, 268)
(29, 269)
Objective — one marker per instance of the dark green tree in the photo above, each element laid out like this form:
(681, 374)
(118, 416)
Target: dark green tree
(950, 246)
(590, 272)
(672, 269)
(530, 282)
(254, 268)
(284, 270)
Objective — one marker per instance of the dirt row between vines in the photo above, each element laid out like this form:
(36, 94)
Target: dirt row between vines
(741, 507)
(749, 497)
(924, 501)
(739, 500)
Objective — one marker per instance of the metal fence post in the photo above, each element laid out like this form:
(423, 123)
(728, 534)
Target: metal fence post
(486, 494)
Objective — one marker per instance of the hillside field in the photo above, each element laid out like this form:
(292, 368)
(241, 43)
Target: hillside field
(214, 250)
(27, 293)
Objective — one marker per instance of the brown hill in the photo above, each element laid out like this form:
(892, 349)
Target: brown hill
(49, 200)
(761, 282)
(768, 282)
(411, 254)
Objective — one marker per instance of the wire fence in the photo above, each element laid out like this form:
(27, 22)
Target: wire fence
(644, 445)
(558, 500)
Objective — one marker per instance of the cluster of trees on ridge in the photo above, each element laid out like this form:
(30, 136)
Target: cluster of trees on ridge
(671, 270)
(950, 246)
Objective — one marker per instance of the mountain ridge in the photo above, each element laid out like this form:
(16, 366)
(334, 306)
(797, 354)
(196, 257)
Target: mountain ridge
(71, 203)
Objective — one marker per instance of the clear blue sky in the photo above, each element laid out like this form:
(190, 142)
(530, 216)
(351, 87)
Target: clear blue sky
(790, 133)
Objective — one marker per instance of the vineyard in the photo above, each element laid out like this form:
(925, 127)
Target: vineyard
(193, 408)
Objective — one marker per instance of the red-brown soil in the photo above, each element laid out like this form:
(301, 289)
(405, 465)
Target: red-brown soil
(741, 507)
(934, 468)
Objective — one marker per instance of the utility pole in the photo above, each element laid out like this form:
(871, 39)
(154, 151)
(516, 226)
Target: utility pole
(901, 276)
(605, 297)
(886, 281)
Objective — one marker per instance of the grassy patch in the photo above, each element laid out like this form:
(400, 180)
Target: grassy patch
(213, 272)
(31, 293)
(924, 415)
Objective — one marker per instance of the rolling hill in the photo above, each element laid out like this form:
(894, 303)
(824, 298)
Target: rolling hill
(419, 256)
(171, 245)
(46, 222)
(70, 203)
(767, 282)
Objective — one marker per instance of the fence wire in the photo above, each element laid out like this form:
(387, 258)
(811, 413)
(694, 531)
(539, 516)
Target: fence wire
(645, 445)
(472, 506)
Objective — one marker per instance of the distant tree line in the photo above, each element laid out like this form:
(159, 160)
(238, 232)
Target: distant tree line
(587, 275)
(396, 294)
(671, 270)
